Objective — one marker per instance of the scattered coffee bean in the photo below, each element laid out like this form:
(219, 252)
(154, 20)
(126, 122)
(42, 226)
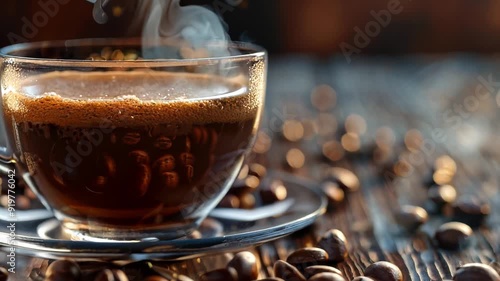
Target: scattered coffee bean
(229, 201)
(248, 184)
(385, 137)
(334, 243)
(257, 170)
(345, 178)
(327, 276)
(445, 162)
(276, 191)
(112, 275)
(453, 235)
(442, 177)
(245, 264)
(262, 143)
(413, 140)
(442, 195)
(293, 130)
(323, 97)
(476, 272)
(307, 256)
(411, 217)
(23, 202)
(315, 269)
(247, 201)
(223, 274)
(63, 268)
(295, 158)
(106, 53)
(117, 55)
(288, 272)
(355, 124)
(333, 192)
(4, 274)
(130, 55)
(332, 150)
(362, 278)
(385, 271)
(470, 210)
(187, 158)
(350, 142)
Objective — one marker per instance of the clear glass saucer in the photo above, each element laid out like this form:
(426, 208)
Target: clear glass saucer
(305, 202)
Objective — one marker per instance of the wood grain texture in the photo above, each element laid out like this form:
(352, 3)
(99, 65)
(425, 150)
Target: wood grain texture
(392, 98)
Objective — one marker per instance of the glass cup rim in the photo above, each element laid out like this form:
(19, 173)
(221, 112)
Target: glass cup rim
(252, 52)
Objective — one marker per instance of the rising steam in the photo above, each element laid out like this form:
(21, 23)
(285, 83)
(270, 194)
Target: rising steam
(193, 26)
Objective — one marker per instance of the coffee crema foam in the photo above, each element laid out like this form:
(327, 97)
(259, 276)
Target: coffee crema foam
(72, 98)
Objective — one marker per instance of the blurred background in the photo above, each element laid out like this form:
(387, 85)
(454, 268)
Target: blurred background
(288, 26)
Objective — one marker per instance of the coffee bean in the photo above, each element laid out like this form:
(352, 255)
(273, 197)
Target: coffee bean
(131, 55)
(470, 210)
(327, 276)
(292, 130)
(385, 271)
(131, 138)
(4, 274)
(223, 274)
(323, 97)
(295, 158)
(385, 137)
(453, 235)
(170, 179)
(163, 143)
(350, 142)
(315, 269)
(307, 256)
(247, 200)
(106, 53)
(166, 163)
(362, 278)
(117, 55)
(112, 275)
(243, 172)
(442, 177)
(67, 269)
(249, 184)
(199, 135)
(287, 271)
(333, 192)
(332, 150)
(476, 272)
(276, 191)
(411, 217)
(355, 124)
(257, 170)
(23, 202)
(334, 243)
(445, 162)
(245, 263)
(442, 195)
(187, 158)
(229, 201)
(345, 178)
(139, 156)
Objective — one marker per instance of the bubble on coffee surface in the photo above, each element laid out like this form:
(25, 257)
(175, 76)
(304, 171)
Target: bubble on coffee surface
(126, 98)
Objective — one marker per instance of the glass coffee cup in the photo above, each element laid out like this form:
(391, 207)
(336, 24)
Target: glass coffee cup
(129, 139)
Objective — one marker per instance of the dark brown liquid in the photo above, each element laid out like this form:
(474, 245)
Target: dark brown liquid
(141, 169)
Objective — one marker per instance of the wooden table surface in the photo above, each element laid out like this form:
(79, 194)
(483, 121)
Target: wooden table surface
(423, 93)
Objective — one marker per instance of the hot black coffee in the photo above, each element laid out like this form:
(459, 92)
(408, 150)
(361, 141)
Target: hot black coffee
(131, 148)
